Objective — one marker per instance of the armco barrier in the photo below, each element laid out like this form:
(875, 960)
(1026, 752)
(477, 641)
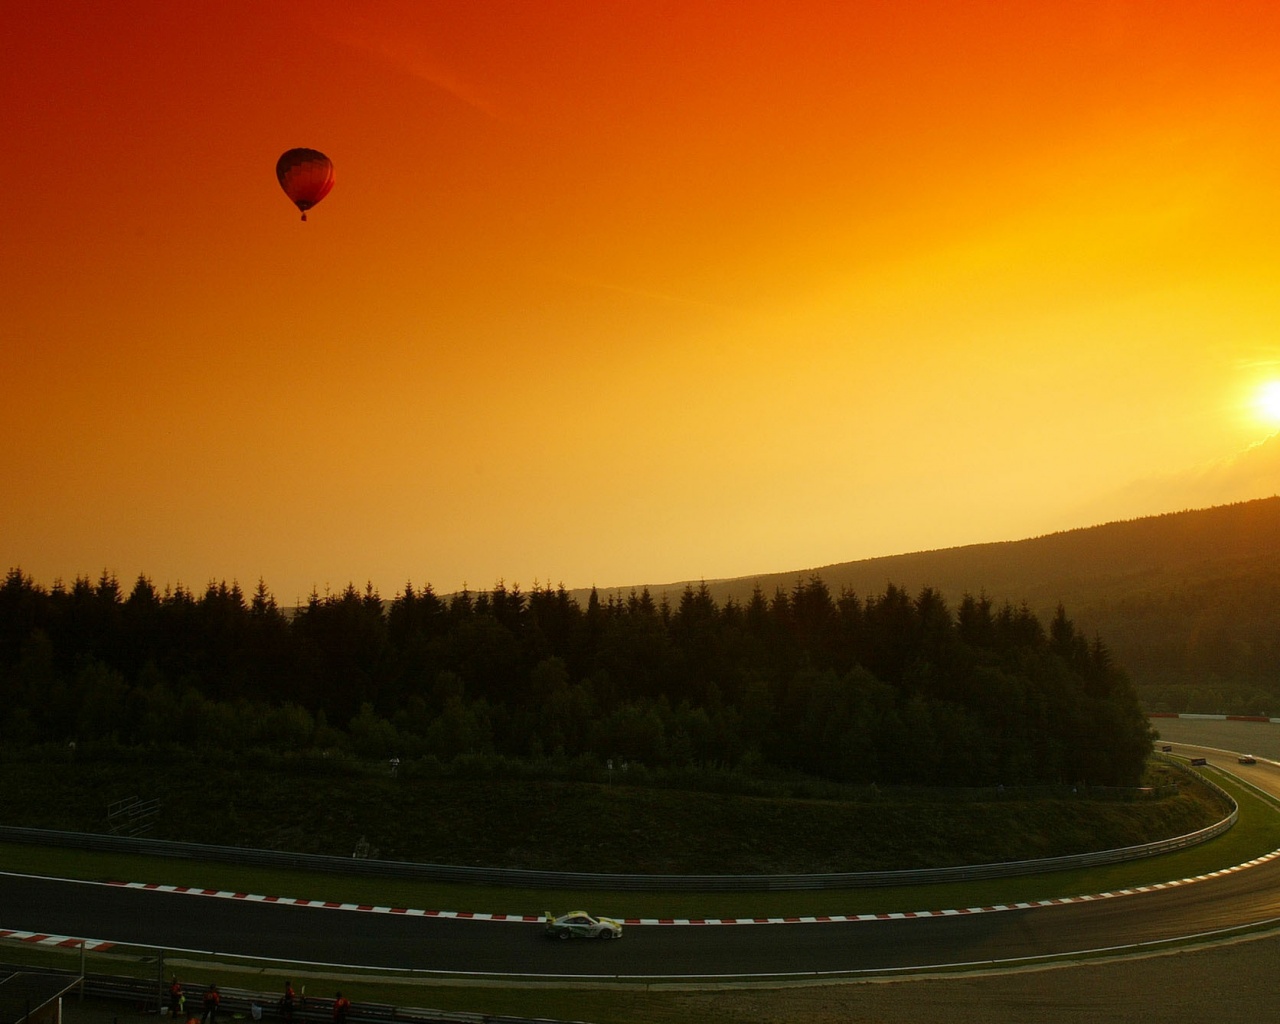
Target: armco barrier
(238, 1004)
(567, 880)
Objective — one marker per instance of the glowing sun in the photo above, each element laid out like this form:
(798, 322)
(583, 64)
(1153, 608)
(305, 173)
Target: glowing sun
(1267, 403)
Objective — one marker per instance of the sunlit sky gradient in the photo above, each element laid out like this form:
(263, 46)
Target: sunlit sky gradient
(624, 293)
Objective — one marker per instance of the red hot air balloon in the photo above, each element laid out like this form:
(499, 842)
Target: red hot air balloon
(306, 175)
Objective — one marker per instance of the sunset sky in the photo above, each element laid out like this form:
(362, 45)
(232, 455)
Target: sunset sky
(624, 293)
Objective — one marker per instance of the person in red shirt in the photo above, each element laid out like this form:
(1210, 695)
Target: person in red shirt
(177, 999)
(211, 1002)
(341, 1005)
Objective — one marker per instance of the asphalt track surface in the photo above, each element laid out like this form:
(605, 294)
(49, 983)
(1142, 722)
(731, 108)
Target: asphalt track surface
(314, 935)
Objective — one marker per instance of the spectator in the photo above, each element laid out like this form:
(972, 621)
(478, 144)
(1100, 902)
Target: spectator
(341, 1005)
(177, 1000)
(211, 1002)
(286, 1003)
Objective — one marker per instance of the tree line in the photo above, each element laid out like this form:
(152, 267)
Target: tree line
(889, 688)
(1208, 645)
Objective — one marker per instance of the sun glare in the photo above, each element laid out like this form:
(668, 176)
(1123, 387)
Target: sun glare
(1267, 403)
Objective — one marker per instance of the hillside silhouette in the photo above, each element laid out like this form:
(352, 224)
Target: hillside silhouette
(1188, 602)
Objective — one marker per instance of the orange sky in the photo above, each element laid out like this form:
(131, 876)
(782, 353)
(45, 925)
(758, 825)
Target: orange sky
(623, 293)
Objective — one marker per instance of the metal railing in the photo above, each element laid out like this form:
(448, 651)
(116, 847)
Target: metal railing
(244, 1004)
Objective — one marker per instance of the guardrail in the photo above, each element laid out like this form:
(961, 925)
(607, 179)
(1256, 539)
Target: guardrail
(530, 879)
(244, 1004)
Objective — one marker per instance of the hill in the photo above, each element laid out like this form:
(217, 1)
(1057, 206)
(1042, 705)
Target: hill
(1187, 601)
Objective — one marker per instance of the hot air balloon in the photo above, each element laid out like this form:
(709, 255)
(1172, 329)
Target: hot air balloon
(306, 175)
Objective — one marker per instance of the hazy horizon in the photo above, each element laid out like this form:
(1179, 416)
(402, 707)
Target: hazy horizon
(660, 589)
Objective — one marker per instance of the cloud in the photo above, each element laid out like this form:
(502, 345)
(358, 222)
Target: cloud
(413, 57)
(665, 298)
(1244, 476)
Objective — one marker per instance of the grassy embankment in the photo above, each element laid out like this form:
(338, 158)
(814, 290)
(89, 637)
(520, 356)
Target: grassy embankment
(559, 825)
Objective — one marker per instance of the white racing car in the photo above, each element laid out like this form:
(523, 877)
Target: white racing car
(581, 925)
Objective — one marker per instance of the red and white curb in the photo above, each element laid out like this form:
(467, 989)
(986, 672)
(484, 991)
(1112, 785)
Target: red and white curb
(679, 921)
(41, 939)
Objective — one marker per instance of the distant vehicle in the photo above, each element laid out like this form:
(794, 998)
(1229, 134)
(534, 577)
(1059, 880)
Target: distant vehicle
(580, 925)
(1247, 759)
(1198, 762)
(1167, 748)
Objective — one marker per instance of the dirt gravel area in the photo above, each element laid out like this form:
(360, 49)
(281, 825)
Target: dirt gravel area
(1223, 982)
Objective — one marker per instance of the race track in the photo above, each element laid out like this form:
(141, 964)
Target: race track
(275, 931)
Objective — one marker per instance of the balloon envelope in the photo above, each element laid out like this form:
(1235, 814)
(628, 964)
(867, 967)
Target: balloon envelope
(306, 175)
